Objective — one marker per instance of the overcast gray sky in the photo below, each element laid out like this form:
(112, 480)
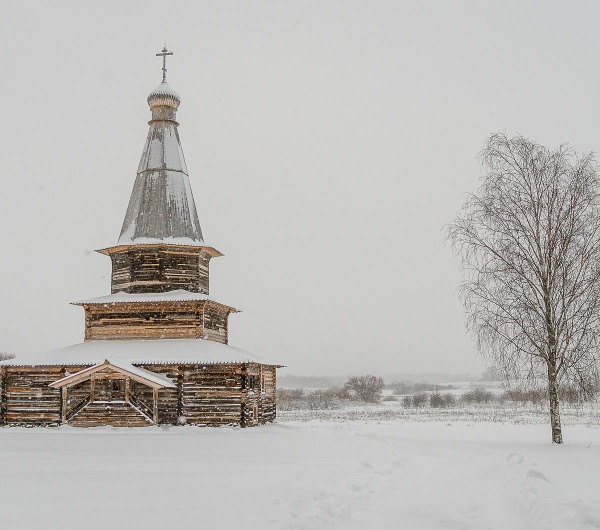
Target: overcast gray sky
(327, 143)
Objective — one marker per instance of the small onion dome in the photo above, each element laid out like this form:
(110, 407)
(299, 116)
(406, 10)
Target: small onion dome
(163, 96)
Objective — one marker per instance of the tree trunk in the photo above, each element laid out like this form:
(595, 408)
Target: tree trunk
(554, 405)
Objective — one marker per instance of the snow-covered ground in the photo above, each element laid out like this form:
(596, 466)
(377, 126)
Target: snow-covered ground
(587, 414)
(302, 475)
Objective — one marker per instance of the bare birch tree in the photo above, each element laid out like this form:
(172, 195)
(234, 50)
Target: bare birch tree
(529, 240)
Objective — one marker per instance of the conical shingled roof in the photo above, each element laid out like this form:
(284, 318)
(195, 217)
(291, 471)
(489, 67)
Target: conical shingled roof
(161, 208)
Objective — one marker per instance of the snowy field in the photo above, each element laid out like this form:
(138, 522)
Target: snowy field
(302, 475)
(519, 413)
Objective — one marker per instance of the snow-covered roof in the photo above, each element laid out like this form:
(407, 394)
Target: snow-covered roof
(179, 295)
(121, 366)
(161, 379)
(161, 207)
(171, 241)
(136, 352)
(180, 241)
(162, 90)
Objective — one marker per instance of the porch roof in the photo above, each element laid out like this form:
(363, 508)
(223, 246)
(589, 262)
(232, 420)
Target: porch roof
(118, 365)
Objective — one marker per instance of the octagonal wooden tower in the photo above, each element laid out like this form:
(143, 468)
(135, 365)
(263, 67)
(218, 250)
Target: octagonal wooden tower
(156, 349)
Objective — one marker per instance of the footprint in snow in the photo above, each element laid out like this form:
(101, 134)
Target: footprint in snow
(534, 473)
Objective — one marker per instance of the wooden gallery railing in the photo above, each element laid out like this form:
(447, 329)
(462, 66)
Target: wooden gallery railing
(71, 411)
(141, 406)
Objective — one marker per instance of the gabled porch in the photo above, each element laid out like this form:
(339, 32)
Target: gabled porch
(111, 393)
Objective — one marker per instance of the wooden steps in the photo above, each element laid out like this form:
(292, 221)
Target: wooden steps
(113, 413)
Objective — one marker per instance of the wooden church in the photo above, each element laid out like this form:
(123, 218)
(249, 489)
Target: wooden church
(156, 350)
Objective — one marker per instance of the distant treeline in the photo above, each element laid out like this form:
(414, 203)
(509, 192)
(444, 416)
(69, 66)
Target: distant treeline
(422, 395)
(309, 381)
(410, 388)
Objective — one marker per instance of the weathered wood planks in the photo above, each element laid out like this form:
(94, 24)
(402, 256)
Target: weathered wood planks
(157, 320)
(215, 394)
(159, 268)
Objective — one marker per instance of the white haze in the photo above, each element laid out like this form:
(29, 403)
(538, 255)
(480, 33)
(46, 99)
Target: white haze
(327, 144)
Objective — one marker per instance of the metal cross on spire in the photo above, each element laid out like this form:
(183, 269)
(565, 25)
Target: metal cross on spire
(164, 56)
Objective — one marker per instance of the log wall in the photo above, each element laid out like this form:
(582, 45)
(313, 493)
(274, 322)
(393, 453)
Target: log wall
(268, 398)
(120, 321)
(224, 394)
(215, 322)
(28, 400)
(154, 269)
(259, 394)
(157, 320)
(211, 394)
